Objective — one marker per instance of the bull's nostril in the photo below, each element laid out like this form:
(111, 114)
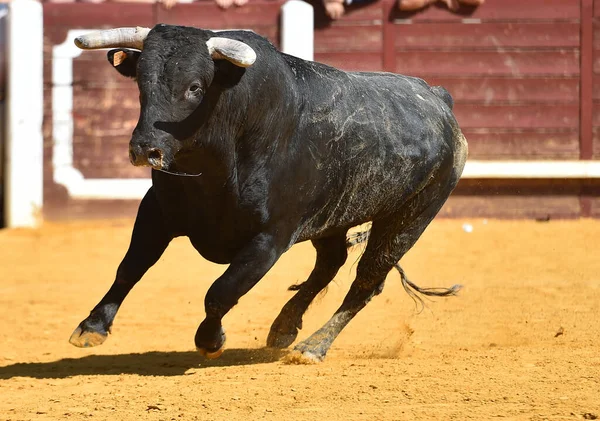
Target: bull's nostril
(132, 156)
(155, 157)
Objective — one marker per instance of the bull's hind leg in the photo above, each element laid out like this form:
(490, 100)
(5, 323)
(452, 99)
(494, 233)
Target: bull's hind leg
(331, 255)
(148, 242)
(390, 239)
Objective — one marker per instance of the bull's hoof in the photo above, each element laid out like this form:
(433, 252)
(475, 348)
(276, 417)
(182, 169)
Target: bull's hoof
(86, 339)
(302, 358)
(210, 339)
(311, 350)
(284, 331)
(211, 355)
(280, 340)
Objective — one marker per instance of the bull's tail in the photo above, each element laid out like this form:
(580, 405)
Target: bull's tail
(411, 288)
(414, 290)
(443, 94)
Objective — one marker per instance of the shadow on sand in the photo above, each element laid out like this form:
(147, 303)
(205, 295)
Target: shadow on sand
(145, 364)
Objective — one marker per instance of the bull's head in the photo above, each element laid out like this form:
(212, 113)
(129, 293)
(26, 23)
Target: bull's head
(174, 68)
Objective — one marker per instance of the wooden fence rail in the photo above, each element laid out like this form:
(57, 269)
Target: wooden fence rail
(525, 77)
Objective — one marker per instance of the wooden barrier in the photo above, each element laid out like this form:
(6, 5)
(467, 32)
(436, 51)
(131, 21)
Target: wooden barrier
(23, 115)
(524, 76)
(3, 52)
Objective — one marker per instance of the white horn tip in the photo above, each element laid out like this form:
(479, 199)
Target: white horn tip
(81, 42)
(249, 59)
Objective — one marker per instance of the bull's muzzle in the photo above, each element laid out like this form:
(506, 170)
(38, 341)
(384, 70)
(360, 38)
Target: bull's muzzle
(150, 157)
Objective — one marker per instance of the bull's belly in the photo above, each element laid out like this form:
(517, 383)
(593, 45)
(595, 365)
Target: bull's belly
(220, 242)
(217, 239)
(371, 196)
(355, 207)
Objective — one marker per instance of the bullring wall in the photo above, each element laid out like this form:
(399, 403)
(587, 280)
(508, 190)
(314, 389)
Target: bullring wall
(525, 77)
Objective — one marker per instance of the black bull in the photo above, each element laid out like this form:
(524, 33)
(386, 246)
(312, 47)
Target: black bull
(254, 150)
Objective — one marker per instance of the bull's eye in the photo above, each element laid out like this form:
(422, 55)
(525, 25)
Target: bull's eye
(194, 88)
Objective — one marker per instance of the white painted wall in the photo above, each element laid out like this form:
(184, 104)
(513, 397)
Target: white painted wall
(297, 29)
(63, 171)
(24, 114)
(24, 147)
(297, 40)
(532, 169)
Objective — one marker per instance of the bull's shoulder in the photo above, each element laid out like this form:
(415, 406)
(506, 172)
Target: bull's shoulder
(312, 71)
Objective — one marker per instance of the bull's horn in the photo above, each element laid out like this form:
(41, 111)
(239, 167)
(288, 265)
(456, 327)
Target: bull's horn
(236, 52)
(114, 38)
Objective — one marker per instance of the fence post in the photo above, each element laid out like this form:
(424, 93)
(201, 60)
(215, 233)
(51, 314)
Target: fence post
(24, 113)
(389, 32)
(586, 80)
(586, 102)
(297, 29)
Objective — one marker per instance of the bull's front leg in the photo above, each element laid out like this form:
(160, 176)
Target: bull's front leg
(148, 242)
(246, 269)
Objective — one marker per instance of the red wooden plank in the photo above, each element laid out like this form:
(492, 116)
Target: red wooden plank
(596, 143)
(596, 115)
(490, 90)
(60, 207)
(90, 128)
(113, 171)
(84, 15)
(63, 16)
(587, 75)
(114, 158)
(524, 144)
(594, 207)
(596, 87)
(517, 116)
(111, 162)
(261, 17)
(352, 61)
(596, 61)
(487, 35)
(107, 146)
(586, 205)
(596, 30)
(518, 205)
(560, 10)
(596, 8)
(590, 199)
(92, 68)
(98, 151)
(348, 38)
(369, 13)
(111, 100)
(210, 16)
(507, 63)
(389, 56)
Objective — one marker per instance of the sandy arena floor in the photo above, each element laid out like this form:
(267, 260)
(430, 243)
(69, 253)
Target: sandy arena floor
(520, 342)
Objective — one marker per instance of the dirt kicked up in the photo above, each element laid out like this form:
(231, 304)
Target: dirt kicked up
(519, 342)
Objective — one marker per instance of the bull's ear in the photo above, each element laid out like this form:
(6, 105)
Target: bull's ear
(125, 61)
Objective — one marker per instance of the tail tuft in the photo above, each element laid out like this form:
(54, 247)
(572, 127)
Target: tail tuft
(413, 290)
(357, 238)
